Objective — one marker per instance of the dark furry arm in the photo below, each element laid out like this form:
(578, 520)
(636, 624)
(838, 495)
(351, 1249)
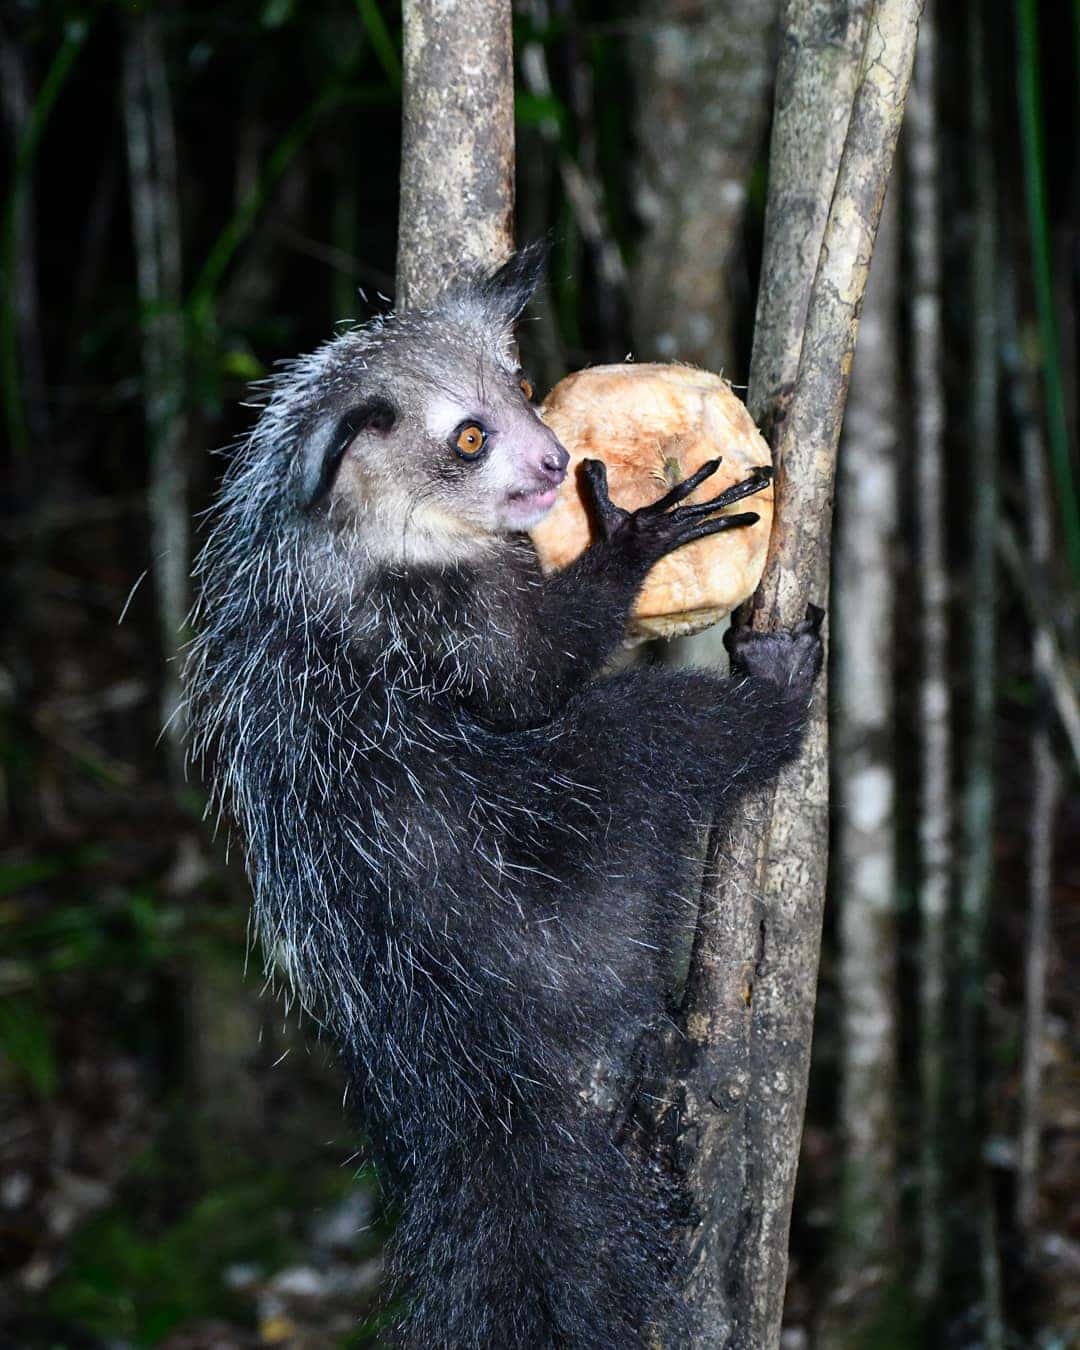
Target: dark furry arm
(566, 629)
(566, 626)
(671, 746)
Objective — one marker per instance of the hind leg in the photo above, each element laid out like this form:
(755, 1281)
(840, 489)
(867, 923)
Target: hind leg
(546, 1238)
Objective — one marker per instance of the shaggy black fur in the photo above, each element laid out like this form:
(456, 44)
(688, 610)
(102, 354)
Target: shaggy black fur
(470, 850)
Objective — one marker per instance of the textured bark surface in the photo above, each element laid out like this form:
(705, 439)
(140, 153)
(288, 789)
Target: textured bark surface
(754, 970)
(820, 58)
(457, 152)
(703, 77)
(864, 794)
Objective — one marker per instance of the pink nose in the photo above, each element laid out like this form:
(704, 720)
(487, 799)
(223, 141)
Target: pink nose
(554, 462)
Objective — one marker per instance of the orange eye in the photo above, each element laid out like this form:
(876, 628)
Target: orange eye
(526, 388)
(470, 440)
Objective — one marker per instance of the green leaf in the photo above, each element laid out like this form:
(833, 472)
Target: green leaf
(17, 876)
(276, 13)
(27, 1044)
(536, 110)
(382, 43)
(242, 364)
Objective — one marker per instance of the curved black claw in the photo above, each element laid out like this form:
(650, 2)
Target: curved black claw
(815, 617)
(758, 480)
(718, 525)
(649, 533)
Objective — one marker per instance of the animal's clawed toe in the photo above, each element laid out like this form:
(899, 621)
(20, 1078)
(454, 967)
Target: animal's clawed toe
(815, 617)
(789, 659)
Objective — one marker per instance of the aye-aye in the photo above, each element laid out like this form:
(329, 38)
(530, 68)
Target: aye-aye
(470, 850)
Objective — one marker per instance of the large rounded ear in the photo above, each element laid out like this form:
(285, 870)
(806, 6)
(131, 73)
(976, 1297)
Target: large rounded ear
(510, 288)
(323, 449)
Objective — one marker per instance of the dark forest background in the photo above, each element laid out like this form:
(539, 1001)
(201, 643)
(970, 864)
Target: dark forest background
(192, 193)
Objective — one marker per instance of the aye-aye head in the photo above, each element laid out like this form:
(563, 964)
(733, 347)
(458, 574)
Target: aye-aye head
(415, 433)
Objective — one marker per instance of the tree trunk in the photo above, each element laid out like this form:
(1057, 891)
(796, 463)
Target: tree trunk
(24, 386)
(750, 1003)
(865, 796)
(155, 216)
(704, 80)
(1029, 84)
(935, 801)
(457, 151)
(982, 596)
(977, 1074)
(1046, 779)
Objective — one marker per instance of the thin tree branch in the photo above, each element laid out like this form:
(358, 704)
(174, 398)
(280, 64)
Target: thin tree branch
(1059, 681)
(979, 769)
(1053, 687)
(815, 88)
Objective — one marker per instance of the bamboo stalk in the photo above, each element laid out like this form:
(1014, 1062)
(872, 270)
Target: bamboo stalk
(26, 394)
(1059, 675)
(1046, 788)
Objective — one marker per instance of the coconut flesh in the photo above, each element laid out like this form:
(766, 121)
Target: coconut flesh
(653, 425)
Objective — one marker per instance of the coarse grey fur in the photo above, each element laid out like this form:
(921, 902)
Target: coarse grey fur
(469, 849)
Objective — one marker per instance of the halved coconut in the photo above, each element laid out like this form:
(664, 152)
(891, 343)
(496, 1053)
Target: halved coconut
(653, 425)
